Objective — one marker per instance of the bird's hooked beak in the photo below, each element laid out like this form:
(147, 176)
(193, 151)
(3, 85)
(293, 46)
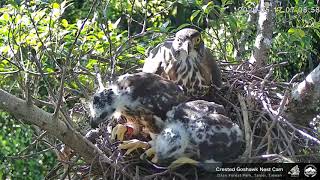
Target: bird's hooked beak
(187, 46)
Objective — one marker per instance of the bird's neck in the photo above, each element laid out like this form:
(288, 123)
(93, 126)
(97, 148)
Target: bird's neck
(193, 55)
(183, 56)
(124, 102)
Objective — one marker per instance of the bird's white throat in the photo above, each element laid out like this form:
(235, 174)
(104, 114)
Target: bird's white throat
(123, 99)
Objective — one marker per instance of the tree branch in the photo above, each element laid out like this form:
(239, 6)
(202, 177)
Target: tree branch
(303, 102)
(264, 34)
(34, 115)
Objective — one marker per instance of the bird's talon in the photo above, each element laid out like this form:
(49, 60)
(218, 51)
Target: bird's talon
(181, 161)
(118, 132)
(149, 153)
(155, 159)
(132, 145)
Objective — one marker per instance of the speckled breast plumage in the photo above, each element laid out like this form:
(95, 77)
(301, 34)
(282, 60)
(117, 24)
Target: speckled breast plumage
(187, 73)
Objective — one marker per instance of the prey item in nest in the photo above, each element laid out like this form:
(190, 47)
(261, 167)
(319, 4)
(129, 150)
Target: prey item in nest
(195, 133)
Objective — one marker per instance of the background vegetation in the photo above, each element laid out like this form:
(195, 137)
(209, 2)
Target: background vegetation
(42, 41)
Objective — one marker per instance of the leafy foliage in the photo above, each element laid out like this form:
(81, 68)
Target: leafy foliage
(296, 38)
(14, 138)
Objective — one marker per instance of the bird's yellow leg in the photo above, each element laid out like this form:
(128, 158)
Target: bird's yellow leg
(155, 159)
(132, 145)
(149, 153)
(118, 132)
(181, 161)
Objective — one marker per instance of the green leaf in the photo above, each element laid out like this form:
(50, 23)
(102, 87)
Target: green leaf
(226, 2)
(205, 8)
(233, 23)
(100, 34)
(183, 26)
(141, 49)
(317, 32)
(18, 18)
(141, 61)
(130, 55)
(291, 30)
(91, 63)
(4, 49)
(49, 70)
(64, 23)
(55, 6)
(164, 26)
(5, 16)
(194, 14)
(297, 32)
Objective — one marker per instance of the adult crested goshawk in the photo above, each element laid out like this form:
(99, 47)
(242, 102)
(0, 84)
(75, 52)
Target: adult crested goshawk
(197, 132)
(143, 99)
(186, 61)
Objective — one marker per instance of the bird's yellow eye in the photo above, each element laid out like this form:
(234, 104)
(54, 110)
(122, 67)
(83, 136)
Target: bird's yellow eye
(198, 39)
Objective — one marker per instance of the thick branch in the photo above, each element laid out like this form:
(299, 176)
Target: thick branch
(303, 103)
(34, 115)
(264, 34)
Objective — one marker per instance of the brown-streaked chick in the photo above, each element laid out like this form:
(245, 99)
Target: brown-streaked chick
(143, 99)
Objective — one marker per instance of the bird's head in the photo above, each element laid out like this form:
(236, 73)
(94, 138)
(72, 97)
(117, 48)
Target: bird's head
(171, 142)
(186, 42)
(102, 106)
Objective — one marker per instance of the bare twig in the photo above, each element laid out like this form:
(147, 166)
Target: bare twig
(98, 77)
(272, 112)
(67, 64)
(289, 147)
(60, 129)
(247, 128)
(9, 72)
(34, 142)
(30, 155)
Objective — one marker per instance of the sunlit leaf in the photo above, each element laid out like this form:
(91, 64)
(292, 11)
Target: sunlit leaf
(297, 32)
(130, 55)
(5, 16)
(18, 18)
(194, 14)
(291, 30)
(64, 23)
(183, 26)
(205, 7)
(55, 6)
(91, 63)
(141, 61)
(49, 70)
(4, 49)
(141, 49)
